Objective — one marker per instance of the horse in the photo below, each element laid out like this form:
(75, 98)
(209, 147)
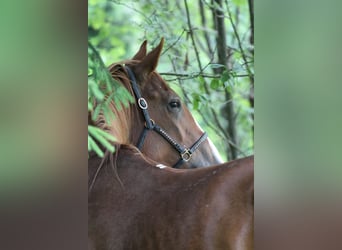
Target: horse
(158, 123)
(136, 203)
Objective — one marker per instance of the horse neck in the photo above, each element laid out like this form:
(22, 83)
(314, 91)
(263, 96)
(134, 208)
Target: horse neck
(126, 161)
(130, 158)
(120, 126)
(134, 169)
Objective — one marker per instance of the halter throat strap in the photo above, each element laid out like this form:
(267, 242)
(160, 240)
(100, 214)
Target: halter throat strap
(185, 153)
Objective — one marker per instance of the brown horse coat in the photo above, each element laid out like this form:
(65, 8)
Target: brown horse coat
(136, 205)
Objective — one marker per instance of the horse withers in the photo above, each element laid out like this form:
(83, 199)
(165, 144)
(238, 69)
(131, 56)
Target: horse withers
(136, 203)
(158, 123)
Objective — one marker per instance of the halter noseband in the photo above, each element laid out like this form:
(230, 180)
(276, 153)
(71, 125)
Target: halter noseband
(184, 152)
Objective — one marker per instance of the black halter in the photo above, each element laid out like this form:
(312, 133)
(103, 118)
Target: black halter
(184, 152)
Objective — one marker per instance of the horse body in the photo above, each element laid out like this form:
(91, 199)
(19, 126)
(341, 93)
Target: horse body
(132, 204)
(146, 207)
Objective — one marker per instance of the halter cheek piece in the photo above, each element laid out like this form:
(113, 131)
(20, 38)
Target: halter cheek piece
(184, 152)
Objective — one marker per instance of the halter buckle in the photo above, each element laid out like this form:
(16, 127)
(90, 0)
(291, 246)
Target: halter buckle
(152, 123)
(142, 103)
(186, 155)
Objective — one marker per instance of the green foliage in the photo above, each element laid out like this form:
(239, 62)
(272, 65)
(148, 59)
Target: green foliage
(102, 137)
(225, 76)
(215, 84)
(102, 89)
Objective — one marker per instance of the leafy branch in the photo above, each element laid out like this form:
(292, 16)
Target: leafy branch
(102, 89)
(195, 75)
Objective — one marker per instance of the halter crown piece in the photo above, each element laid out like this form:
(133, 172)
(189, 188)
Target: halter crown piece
(184, 152)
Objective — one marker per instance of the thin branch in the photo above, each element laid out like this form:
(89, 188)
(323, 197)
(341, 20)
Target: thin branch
(171, 46)
(204, 24)
(134, 9)
(239, 42)
(202, 45)
(238, 51)
(191, 34)
(180, 82)
(191, 76)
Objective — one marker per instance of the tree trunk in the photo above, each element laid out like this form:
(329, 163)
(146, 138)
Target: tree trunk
(228, 109)
(251, 17)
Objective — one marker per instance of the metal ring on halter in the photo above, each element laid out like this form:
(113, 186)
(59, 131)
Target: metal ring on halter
(152, 122)
(186, 155)
(142, 103)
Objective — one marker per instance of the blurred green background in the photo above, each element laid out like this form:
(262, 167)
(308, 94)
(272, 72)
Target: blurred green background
(43, 66)
(298, 167)
(298, 117)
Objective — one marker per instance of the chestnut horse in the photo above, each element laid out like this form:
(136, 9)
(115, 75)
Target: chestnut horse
(159, 124)
(146, 205)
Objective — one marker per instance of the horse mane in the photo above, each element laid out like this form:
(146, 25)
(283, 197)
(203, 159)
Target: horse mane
(110, 159)
(119, 126)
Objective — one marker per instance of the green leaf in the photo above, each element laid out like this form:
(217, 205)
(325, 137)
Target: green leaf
(195, 104)
(96, 112)
(225, 76)
(98, 135)
(104, 134)
(95, 90)
(215, 84)
(196, 101)
(90, 106)
(216, 66)
(201, 83)
(92, 146)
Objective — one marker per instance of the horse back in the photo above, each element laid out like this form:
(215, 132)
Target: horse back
(153, 208)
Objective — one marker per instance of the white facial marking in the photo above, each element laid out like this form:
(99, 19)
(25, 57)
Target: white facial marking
(212, 146)
(199, 126)
(161, 166)
(215, 151)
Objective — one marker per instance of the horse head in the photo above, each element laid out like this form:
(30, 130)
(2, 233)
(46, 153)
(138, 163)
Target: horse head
(159, 123)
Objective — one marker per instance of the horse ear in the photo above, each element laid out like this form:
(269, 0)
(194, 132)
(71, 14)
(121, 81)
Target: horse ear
(149, 63)
(141, 53)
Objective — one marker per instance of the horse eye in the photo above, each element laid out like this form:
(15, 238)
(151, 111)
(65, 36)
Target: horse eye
(174, 104)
